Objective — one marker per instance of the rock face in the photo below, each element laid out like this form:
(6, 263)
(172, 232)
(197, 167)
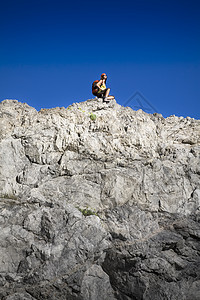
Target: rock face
(98, 202)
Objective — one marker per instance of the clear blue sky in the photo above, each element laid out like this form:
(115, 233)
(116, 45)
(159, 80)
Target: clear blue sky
(52, 51)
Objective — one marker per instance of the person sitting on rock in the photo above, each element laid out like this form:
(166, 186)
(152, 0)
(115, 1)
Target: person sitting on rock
(102, 91)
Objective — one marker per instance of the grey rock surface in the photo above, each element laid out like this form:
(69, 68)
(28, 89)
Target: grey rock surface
(98, 202)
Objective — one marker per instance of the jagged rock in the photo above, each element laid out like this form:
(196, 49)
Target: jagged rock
(98, 201)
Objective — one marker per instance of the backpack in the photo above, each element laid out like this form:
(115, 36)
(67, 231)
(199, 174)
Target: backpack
(95, 87)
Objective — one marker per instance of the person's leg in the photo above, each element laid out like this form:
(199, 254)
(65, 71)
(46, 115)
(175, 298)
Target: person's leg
(100, 94)
(106, 95)
(107, 92)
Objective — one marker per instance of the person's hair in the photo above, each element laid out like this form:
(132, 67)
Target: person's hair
(105, 79)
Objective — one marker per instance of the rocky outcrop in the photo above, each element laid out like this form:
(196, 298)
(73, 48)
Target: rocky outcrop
(98, 202)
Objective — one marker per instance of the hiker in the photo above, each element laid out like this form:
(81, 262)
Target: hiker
(99, 88)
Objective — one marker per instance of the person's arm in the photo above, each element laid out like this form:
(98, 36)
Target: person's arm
(99, 83)
(103, 84)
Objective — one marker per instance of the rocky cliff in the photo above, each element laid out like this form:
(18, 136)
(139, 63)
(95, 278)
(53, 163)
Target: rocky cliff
(98, 202)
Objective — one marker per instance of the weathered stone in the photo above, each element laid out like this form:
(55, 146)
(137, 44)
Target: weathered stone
(98, 208)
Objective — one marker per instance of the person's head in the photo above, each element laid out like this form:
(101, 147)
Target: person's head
(104, 76)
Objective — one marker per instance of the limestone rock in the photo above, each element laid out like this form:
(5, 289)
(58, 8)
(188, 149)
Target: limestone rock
(98, 201)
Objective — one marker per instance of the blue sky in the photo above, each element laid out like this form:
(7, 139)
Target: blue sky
(52, 51)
